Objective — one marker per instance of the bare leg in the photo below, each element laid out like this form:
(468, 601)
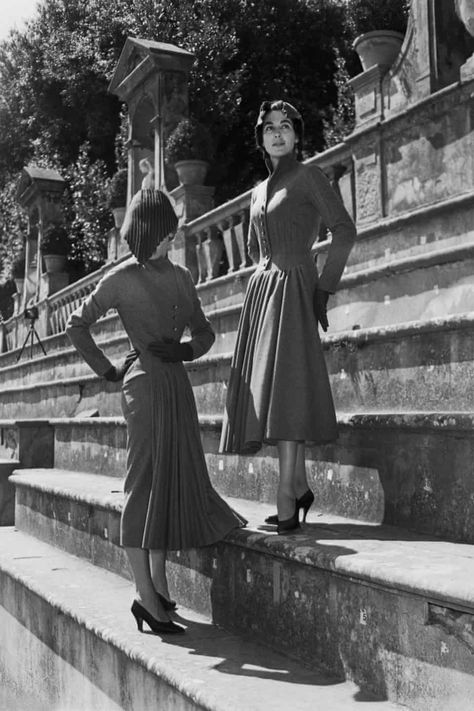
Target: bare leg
(158, 572)
(287, 454)
(301, 481)
(145, 591)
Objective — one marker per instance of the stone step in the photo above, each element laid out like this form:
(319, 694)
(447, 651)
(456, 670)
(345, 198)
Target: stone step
(443, 225)
(387, 609)
(409, 470)
(417, 287)
(7, 492)
(67, 638)
(413, 366)
(420, 287)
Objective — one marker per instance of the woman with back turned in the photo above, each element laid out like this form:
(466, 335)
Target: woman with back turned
(279, 392)
(169, 501)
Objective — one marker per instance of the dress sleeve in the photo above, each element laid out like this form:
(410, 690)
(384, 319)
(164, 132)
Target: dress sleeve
(337, 219)
(202, 334)
(78, 326)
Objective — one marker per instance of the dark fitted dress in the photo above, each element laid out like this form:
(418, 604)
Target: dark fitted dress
(169, 500)
(279, 386)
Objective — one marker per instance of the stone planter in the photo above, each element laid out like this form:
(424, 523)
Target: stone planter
(54, 263)
(19, 285)
(191, 172)
(465, 12)
(119, 216)
(380, 47)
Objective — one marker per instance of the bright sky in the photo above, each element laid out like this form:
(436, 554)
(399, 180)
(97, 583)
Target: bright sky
(13, 13)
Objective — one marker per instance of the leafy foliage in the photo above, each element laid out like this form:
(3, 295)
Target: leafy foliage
(190, 140)
(368, 15)
(117, 189)
(341, 118)
(55, 240)
(55, 104)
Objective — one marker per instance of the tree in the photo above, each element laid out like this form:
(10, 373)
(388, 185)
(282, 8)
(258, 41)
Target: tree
(54, 77)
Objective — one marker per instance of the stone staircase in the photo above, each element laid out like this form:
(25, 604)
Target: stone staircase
(371, 603)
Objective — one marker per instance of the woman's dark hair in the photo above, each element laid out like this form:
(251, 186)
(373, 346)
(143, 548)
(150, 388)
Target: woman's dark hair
(291, 113)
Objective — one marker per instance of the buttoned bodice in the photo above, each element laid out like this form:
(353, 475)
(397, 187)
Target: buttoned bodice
(285, 215)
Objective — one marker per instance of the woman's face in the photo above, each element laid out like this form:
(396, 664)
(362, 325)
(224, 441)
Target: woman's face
(163, 248)
(279, 137)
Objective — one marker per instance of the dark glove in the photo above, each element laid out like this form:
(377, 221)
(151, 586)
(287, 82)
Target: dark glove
(320, 301)
(116, 373)
(171, 351)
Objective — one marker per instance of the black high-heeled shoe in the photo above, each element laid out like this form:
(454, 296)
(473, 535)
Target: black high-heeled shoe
(289, 524)
(168, 605)
(141, 614)
(304, 502)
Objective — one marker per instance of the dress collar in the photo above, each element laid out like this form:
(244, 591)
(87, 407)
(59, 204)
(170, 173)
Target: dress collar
(285, 164)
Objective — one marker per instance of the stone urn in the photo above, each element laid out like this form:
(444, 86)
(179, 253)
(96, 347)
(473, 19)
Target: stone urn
(19, 283)
(54, 263)
(119, 216)
(380, 47)
(465, 12)
(191, 172)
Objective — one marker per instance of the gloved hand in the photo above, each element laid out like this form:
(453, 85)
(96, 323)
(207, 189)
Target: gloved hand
(320, 301)
(170, 351)
(116, 373)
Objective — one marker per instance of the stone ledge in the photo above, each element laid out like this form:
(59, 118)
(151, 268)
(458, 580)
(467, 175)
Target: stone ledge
(377, 554)
(403, 265)
(95, 634)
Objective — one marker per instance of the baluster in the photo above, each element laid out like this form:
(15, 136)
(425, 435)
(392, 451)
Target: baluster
(227, 230)
(213, 247)
(240, 232)
(200, 257)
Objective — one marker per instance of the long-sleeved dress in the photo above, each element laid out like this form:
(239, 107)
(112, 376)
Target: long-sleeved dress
(279, 387)
(169, 500)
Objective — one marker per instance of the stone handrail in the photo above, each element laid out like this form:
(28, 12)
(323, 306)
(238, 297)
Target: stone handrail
(223, 229)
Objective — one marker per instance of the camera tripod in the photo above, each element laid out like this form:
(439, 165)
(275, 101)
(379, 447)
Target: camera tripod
(30, 336)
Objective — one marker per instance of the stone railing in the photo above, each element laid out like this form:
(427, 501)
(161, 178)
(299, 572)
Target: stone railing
(224, 229)
(53, 311)
(220, 231)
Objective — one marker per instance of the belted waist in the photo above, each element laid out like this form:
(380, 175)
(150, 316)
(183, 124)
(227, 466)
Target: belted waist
(286, 261)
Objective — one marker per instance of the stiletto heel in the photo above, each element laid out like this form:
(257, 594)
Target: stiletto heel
(141, 614)
(138, 620)
(304, 502)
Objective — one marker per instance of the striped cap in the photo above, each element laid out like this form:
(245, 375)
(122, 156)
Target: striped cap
(149, 219)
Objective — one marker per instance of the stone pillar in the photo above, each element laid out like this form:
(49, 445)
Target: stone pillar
(39, 193)
(151, 78)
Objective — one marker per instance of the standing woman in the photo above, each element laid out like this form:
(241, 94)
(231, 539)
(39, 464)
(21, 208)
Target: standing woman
(169, 500)
(279, 390)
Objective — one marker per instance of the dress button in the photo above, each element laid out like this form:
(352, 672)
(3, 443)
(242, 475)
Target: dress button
(175, 329)
(175, 306)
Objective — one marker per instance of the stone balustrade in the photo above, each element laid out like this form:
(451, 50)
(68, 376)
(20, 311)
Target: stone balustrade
(223, 230)
(216, 238)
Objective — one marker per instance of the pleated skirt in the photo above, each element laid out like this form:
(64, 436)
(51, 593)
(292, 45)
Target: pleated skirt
(169, 500)
(279, 386)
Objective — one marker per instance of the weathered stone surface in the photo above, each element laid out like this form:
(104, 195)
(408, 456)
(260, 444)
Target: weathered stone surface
(7, 492)
(79, 648)
(353, 598)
